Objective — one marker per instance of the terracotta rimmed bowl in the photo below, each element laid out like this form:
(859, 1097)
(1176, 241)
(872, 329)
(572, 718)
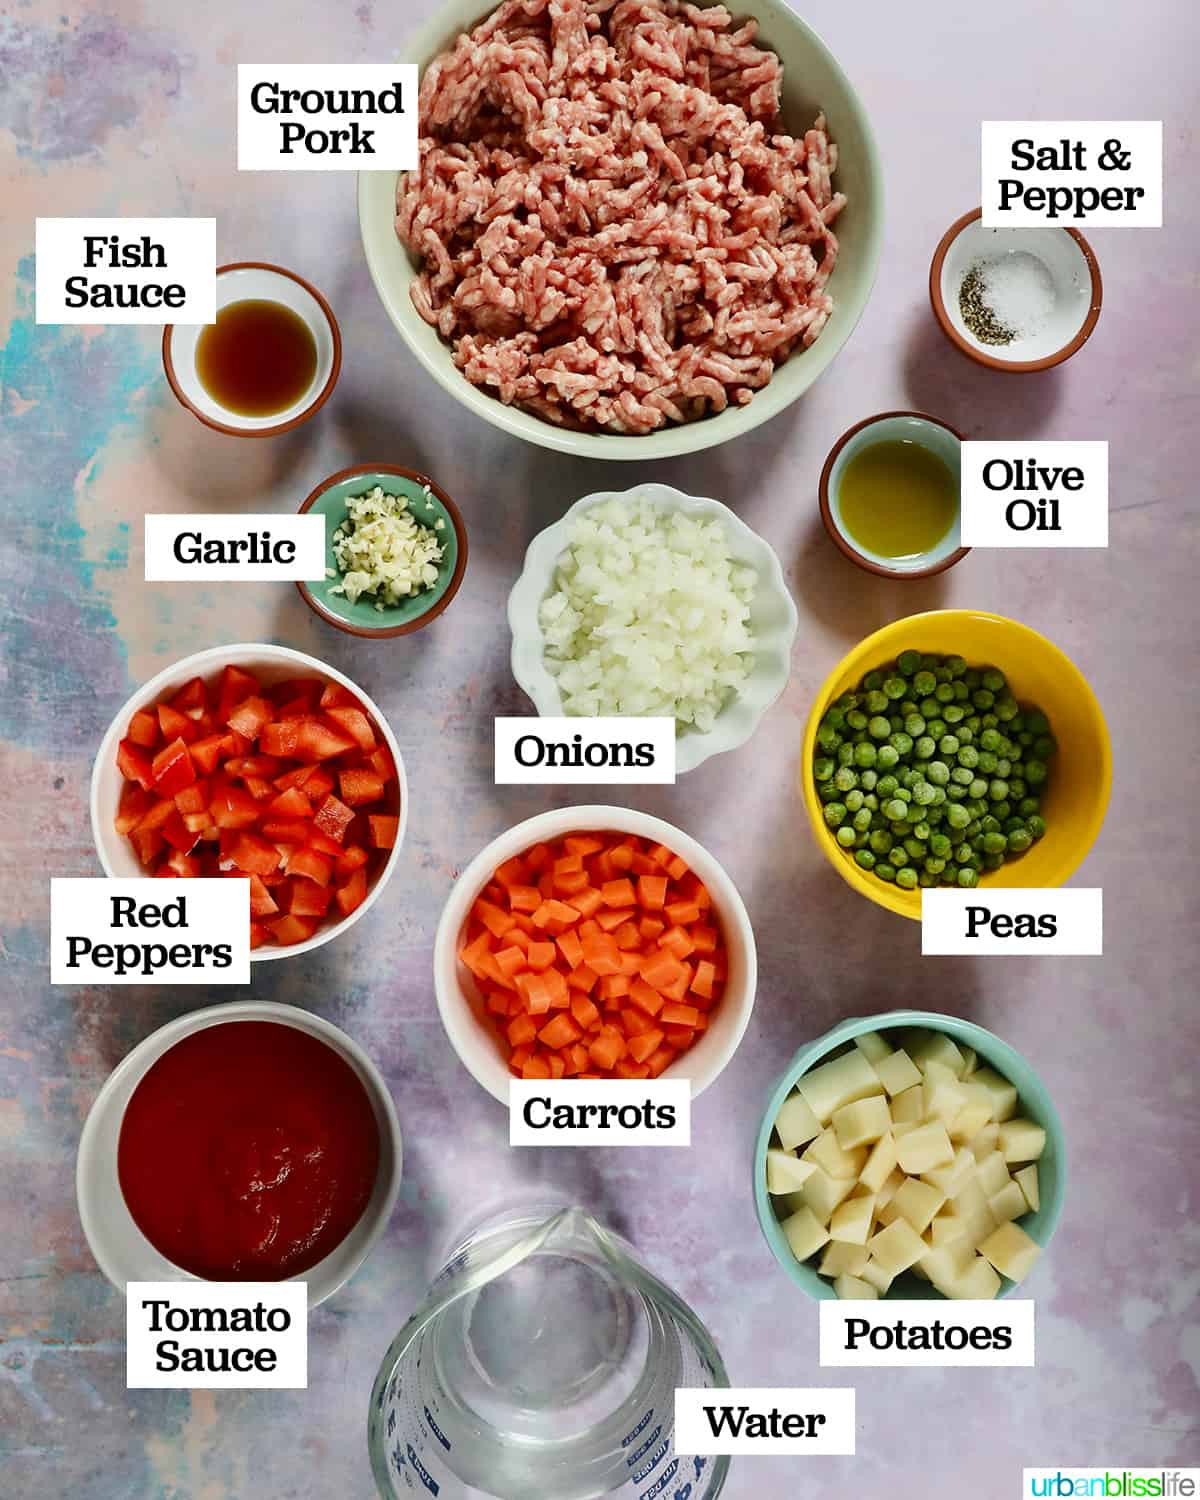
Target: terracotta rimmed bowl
(239, 282)
(931, 433)
(430, 505)
(1072, 265)
(1075, 796)
(123, 1252)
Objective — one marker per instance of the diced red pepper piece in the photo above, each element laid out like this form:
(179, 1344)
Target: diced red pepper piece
(143, 729)
(333, 818)
(288, 930)
(281, 737)
(250, 717)
(234, 743)
(206, 753)
(191, 697)
(317, 783)
(177, 833)
(254, 855)
(194, 798)
(260, 789)
(148, 843)
(316, 740)
(291, 803)
(350, 859)
(134, 764)
(352, 894)
(172, 769)
(185, 866)
(354, 722)
(382, 763)
(297, 690)
(335, 695)
(383, 830)
(236, 686)
(174, 725)
(308, 899)
(258, 935)
(286, 830)
(135, 802)
(262, 903)
(233, 807)
(311, 865)
(360, 787)
(321, 842)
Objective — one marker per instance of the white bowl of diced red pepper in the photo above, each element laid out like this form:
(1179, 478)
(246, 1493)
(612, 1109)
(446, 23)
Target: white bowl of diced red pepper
(256, 762)
(594, 942)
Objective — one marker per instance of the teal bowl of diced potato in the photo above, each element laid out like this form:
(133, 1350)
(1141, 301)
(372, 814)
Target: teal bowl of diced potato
(395, 551)
(909, 1155)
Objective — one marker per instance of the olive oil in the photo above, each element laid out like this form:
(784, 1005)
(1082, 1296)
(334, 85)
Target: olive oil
(257, 359)
(897, 500)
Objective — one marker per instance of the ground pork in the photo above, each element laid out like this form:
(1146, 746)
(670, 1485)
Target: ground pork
(611, 229)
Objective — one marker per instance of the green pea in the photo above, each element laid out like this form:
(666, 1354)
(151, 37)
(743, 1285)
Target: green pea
(828, 792)
(983, 698)
(957, 817)
(953, 713)
(1003, 810)
(994, 681)
(923, 747)
(1036, 825)
(923, 794)
(899, 856)
(998, 790)
(967, 877)
(895, 688)
(871, 802)
(901, 743)
(938, 772)
(994, 843)
(987, 763)
(867, 780)
(886, 786)
(906, 879)
(1004, 767)
(864, 754)
(1017, 788)
(960, 776)
(930, 707)
(925, 880)
(936, 727)
(922, 831)
(865, 859)
(993, 861)
(944, 693)
(888, 757)
(845, 754)
(881, 841)
(1028, 806)
(930, 661)
(924, 683)
(835, 813)
(862, 820)
(879, 728)
(908, 662)
(885, 871)
(968, 757)
(939, 846)
(856, 719)
(1006, 710)
(845, 779)
(1035, 772)
(823, 768)
(897, 722)
(934, 865)
(834, 718)
(872, 681)
(853, 800)
(845, 836)
(989, 721)
(876, 702)
(914, 725)
(915, 848)
(956, 793)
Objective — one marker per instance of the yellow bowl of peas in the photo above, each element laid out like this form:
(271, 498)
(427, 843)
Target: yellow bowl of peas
(956, 748)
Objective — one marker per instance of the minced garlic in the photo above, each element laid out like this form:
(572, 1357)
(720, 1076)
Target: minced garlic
(381, 550)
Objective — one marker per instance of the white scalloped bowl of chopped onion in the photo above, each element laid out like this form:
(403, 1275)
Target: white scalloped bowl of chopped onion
(653, 602)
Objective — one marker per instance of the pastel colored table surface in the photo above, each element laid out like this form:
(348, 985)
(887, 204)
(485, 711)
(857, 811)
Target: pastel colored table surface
(129, 109)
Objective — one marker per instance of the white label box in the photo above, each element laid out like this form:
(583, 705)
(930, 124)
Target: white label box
(1035, 494)
(327, 117)
(216, 1335)
(234, 548)
(1071, 173)
(1013, 919)
(765, 1420)
(936, 1332)
(137, 931)
(599, 1111)
(158, 270)
(569, 751)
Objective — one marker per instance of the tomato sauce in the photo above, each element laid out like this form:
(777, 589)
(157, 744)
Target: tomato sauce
(248, 1152)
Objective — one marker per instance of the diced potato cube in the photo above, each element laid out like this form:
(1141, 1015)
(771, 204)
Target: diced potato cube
(888, 1191)
(969, 1121)
(839, 1082)
(879, 1164)
(872, 1046)
(842, 1259)
(1011, 1251)
(978, 1283)
(924, 1148)
(1008, 1203)
(826, 1153)
(822, 1193)
(897, 1247)
(946, 1228)
(909, 1105)
(862, 1122)
(993, 1174)
(972, 1207)
(947, 1263)
(851, 1289)
(898, 1072)
(970, 1061)
(938, 1047)
(1028, 1178)
(917, 1202)
(874, 1274)
(851, 1220)
(951, 1178)
(985, 1141)
(1003, 1094)
(804, 1233)
(1022, 1140)
(942, 1094)
(795, 1123)
(785, 1171)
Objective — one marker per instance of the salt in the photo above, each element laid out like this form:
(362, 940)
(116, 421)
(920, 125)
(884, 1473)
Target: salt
(1019, 291)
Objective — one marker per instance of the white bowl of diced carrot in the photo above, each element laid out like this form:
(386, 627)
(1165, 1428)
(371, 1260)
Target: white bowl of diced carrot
(261, 763)
(594, 942)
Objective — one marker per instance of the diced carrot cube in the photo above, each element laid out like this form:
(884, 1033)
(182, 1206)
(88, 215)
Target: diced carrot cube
(490, 969)
(558, 1067)
(536, 992)
(584, 1011)
(601, 954)
(677, 868)
(583, 978)
(538, 857)
(559, 1032)
(607, 1049)
(634, 1022)
(660, 1060)
(555, 916)
(679, 987)
(537, 1067)
(652, 892)
(661, 855)
(602, 868)
(646, 996)
(645, 1044)
(627, 936)
(512, 873)
(677, 941)
(621, 855)
(521, 1029)
(583, 844)
(496, 921)
(510, 960)
(679, 1037)
(704, 979)
(571, 883)
(498, 1002)
(609, 921)
(571, 948)
(682, 913)
(612, 987)
(519, 1058)
(540, 955)
(474, 953)
(617, 893)
(525, 898)
(627, 1069)
(651, 928)
(694, 889)
(578, 1058)
(569, 864)
(586, 902)
(704, 939)
(661, 969)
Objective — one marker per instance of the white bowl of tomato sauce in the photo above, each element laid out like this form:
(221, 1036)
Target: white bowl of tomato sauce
(293, 1178)
(259, 762)
(654, 969)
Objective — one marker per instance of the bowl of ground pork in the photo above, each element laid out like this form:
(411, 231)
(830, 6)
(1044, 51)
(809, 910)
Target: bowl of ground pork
(637, 229)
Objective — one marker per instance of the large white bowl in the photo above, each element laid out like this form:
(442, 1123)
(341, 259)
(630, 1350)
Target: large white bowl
(461, 1005)
(269, 664)
(773, 618)
(813, 81)
(123, 1252)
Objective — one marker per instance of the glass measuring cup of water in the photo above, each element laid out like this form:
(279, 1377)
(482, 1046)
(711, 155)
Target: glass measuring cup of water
(543, 1362)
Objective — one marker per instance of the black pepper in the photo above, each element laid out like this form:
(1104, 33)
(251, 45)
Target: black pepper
(977, 315)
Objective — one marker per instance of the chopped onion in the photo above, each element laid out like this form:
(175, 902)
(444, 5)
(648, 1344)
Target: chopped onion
(649, 615)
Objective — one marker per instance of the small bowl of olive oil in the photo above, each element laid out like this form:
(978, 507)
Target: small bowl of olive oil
(890, 495)
(268, 362)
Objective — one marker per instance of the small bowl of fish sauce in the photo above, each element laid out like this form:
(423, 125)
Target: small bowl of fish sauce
(890, 495)
(268, 362)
